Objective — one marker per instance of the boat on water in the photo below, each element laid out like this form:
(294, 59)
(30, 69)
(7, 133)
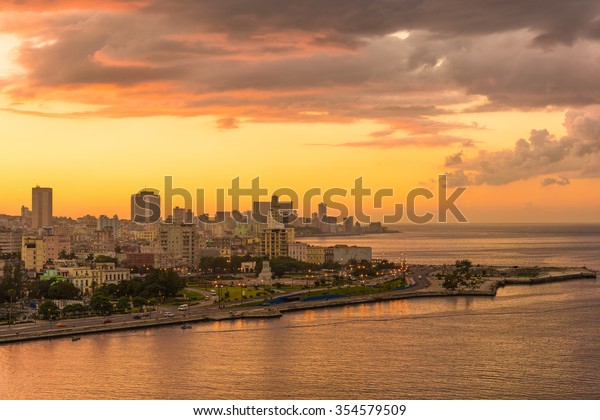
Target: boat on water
(75, 338)
(186, 327)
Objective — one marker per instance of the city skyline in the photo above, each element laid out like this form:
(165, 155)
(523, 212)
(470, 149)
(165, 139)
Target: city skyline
(105, 98)
(340, 208)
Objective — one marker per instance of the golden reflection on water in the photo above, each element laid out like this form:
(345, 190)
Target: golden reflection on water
(529, 342)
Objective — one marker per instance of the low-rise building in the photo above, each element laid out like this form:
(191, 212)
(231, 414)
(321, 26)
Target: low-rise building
(87, 278)
(315, 254)
(140, 260)
(55, 245)
(10, 240)
(297, 251)
(344, 253)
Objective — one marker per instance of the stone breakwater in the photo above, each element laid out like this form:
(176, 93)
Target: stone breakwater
(488, 288)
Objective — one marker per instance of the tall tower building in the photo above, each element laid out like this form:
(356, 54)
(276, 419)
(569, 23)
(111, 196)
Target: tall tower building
(274, 211)
(145, 207)
(41, 207)
(322, 211)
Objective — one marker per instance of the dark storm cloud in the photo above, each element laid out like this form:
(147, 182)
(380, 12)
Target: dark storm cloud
(551, 21)
(308, 61)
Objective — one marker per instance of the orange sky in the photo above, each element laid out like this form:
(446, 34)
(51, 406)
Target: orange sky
(100, 102)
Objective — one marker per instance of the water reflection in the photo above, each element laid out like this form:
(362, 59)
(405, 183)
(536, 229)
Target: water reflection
(528, 342)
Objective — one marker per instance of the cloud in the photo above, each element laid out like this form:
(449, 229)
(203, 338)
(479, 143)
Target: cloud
(577, 154)
(382, 133)
(555, 181)
(306, 61)
(408, 141)
(455, 159)
(227, 123)
(555, 22)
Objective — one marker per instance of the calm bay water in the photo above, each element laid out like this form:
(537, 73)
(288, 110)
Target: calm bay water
(515, 244)
(527, 342)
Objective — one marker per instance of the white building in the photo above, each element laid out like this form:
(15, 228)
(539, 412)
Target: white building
(297, 251)
(344, 253)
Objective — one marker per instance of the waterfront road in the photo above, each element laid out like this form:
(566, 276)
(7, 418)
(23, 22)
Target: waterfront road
(203, 308)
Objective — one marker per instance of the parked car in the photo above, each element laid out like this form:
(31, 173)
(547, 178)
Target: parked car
(169, 314)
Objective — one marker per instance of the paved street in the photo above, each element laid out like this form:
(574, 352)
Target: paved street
(202, 308)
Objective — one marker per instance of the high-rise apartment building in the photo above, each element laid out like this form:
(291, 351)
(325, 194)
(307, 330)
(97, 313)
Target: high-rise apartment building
(274, 241)
(41, 207)
(33, 253)
(178, 245)
(274, 211)
(145, 207)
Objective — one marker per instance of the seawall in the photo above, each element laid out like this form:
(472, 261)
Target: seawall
(268, 313)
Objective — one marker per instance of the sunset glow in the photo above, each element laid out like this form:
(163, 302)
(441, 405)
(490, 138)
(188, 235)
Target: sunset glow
(99, 100)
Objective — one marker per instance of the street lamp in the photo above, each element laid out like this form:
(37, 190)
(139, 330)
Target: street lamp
(242, 293)
(219, 286)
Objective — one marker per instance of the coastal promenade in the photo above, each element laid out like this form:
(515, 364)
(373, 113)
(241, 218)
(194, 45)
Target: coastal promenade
(74, 330)
(434, 288)
(417, 288)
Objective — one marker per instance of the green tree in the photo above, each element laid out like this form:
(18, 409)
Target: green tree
(138, 301)
(105, 259)
(48, 309)
(100, 303)
(11, 295)
(63, 290)
(461, 277)
(123, 304)
(13, 280)
(39, 289)
(164, 282)
(75, 309)
(152, 302)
